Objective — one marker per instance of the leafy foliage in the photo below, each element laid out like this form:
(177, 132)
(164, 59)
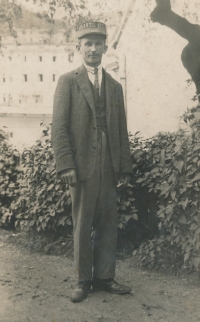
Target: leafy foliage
(11, 16)
(126, 206)
(71, 8)
(8, 12)
(162, 197)
(160, 254)
(9, 186)
(44, 202)
(176, 183)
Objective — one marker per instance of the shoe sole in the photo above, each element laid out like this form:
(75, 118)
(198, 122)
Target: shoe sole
(77, 300)
(98, 289)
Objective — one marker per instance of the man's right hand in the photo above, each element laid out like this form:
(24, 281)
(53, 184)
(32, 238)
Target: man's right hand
(69, 176)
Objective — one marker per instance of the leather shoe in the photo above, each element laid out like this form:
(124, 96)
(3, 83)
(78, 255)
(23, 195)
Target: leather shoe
(110, 285)
(80, 292)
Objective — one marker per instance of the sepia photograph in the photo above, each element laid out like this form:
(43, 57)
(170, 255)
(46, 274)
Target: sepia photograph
(99, 160)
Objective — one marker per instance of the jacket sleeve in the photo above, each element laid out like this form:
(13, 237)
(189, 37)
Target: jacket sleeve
(125, 159)
(61, 113)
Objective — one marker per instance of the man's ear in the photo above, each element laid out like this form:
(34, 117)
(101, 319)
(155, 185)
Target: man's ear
(105, 49)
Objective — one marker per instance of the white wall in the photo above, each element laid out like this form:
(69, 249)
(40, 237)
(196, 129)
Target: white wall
(23, 130)
(157, 92)
(34, 94)
(25, 104)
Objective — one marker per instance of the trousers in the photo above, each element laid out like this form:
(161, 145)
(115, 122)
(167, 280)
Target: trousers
(95, 219)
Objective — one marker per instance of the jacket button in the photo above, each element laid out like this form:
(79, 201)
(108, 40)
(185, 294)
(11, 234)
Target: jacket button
(94, 127)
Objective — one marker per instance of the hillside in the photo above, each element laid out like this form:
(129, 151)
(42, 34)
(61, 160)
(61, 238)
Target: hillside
(23, 19)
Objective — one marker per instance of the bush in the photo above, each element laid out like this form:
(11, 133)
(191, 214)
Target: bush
(44, 202)
(161, 202)
(176, 183)
(9, 186)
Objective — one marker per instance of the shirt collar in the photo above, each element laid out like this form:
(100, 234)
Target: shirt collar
(91, 69)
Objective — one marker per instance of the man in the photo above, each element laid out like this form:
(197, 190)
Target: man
(90, 141)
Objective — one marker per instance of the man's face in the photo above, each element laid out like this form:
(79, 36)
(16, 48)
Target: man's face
(92, 47)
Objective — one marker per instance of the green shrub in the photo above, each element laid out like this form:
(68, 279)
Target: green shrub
(44, 202)
(148, 157)
(9, 186)
(163, 195)
(177, 186)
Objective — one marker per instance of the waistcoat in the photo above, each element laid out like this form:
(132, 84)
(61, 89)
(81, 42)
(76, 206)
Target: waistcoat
(100, 106)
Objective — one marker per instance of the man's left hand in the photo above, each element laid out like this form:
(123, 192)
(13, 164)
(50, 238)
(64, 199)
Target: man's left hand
(124, 180)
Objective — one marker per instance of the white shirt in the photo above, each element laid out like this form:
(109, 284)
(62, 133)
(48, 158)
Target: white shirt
(90, 71)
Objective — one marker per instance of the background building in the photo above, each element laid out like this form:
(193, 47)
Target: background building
(28, 76)
(29, 70)
(146, 61)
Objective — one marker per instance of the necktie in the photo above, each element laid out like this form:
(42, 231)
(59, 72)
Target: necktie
(96, 78)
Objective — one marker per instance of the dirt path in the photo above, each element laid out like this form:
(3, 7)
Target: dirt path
(37, 288)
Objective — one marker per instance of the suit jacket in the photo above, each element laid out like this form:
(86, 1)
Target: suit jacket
(74, 130)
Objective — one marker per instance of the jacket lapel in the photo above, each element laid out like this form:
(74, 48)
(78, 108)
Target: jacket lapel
(84, 84)
(109, 90)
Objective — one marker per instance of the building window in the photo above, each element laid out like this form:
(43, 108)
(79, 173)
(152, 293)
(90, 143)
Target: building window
(10, 58)
(25, 58)
(4, 79)
(54, 77)
(25, 78)
(11, 134)
(40, 58)
(4, 98)
(37, 98)
(10, 99)
(40, 77)
(54, 58)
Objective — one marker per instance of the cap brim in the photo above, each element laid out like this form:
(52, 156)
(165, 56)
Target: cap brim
(92, 33)
(82, 33)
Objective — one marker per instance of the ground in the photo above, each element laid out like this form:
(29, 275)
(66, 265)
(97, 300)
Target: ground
(37, 287)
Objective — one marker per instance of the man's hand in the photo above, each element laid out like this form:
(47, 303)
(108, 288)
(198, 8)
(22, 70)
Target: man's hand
(69, 176)
(123, 180)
